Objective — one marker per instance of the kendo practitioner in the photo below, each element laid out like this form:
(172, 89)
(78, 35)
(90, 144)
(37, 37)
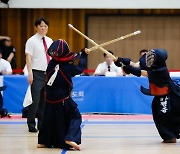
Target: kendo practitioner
(166, 103)
(61, 119)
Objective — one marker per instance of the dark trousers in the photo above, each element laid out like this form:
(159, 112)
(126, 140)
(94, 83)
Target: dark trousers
(61, 121)
(38, 98)
(166, 123)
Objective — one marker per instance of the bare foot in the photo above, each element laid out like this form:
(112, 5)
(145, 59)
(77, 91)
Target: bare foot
(41, 146)
(73, 144)
(173, 140)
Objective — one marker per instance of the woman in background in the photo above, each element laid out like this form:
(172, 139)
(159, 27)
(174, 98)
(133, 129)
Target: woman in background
(8, 51)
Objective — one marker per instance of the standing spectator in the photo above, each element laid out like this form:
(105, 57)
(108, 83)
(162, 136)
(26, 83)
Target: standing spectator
(108, 66)
(8, 51)
(5, 67)
(37, 60)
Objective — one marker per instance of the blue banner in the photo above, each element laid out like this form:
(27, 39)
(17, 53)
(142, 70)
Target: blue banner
(93, 94)
(111, 94)
(14, 94)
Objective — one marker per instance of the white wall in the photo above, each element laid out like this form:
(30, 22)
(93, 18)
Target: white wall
(96, 4)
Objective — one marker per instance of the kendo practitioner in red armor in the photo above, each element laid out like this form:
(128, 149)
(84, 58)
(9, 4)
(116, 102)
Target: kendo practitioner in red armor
(61, 118)
(166, 102)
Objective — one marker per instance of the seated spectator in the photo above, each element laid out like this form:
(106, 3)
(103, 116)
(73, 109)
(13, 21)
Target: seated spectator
(8, 51)
(108, 66)
(5, 67)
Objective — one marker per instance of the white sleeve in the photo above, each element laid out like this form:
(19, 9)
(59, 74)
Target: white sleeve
(8, 67)
(98, 69)
(49, 42)
(29, 47)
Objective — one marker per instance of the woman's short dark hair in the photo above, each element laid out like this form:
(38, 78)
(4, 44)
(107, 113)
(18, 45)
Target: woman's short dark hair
(39, 20)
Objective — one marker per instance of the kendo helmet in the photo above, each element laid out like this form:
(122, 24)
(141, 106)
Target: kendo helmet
(59, 51)
(156, 59)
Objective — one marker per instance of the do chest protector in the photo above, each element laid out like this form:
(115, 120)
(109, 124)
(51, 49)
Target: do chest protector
(159, 83)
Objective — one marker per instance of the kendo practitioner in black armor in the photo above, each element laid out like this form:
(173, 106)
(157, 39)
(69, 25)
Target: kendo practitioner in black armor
(166, 102)
(61, 118)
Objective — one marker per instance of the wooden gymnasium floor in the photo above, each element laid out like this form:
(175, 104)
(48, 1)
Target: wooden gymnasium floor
(101, 134)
